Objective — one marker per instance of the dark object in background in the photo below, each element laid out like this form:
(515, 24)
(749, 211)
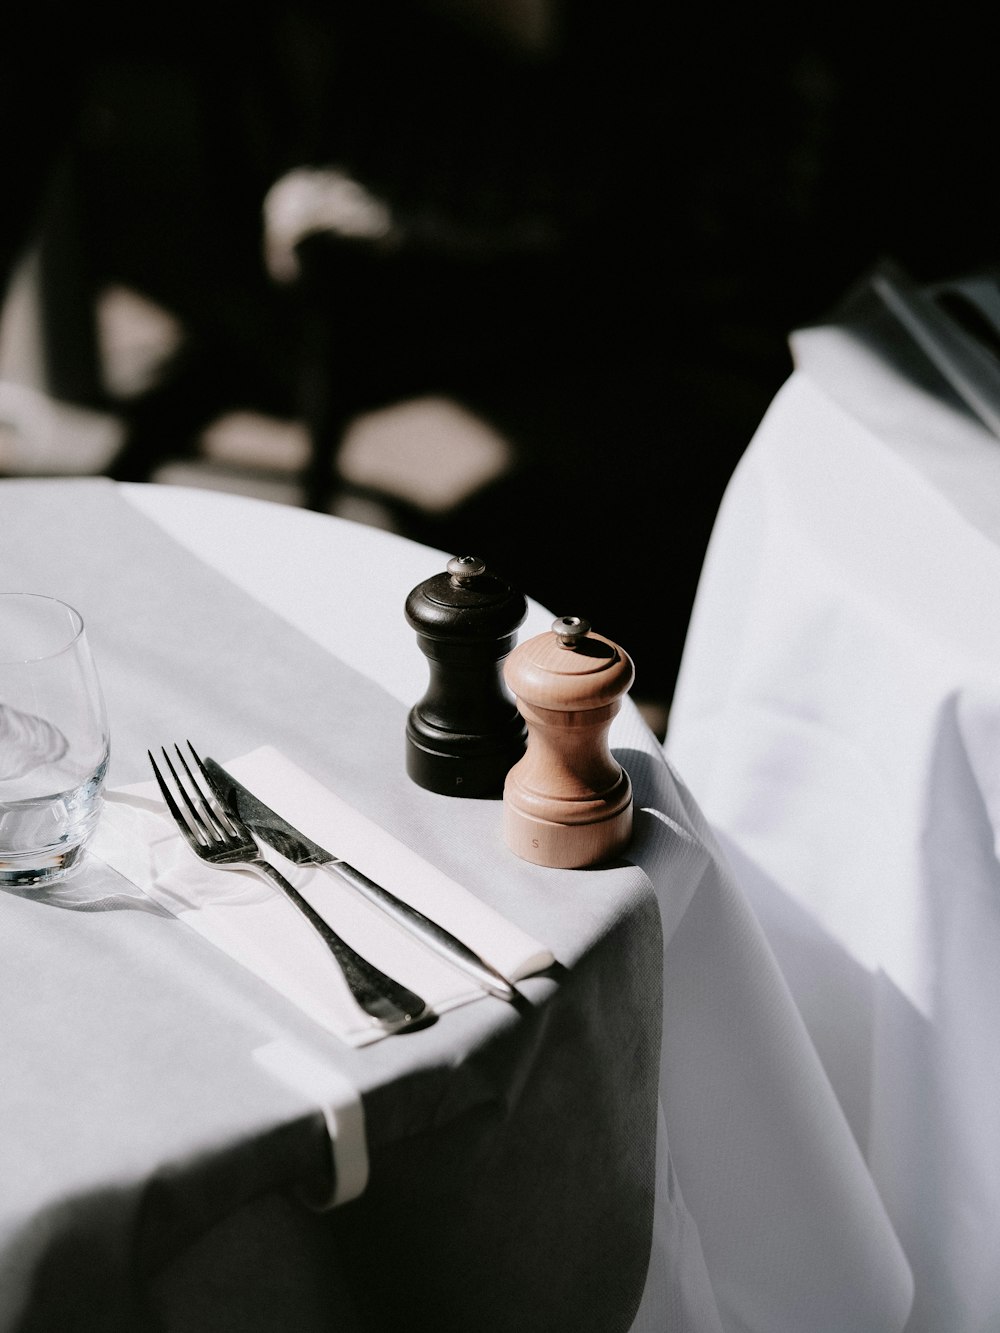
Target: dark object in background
(707, 182)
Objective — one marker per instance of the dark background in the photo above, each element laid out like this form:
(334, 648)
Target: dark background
(610, 221)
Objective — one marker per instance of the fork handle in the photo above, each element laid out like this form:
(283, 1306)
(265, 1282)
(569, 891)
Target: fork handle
(386, 1001)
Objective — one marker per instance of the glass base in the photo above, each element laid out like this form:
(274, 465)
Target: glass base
(29, 870)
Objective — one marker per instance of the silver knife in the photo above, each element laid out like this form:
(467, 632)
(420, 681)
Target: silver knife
(291, 843)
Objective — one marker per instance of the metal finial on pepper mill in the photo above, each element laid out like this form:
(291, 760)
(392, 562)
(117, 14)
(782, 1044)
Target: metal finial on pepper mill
(568, 802)
(466, 731)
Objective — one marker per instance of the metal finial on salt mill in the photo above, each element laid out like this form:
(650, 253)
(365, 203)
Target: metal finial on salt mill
(466, 731)
(568, 802)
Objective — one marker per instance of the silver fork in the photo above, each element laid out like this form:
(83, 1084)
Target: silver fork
(216, 833)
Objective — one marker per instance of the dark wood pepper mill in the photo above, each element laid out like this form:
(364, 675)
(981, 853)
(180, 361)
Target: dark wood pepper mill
(568, 802)
(466, 732)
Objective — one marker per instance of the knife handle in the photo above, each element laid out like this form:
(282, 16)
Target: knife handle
(434, 936)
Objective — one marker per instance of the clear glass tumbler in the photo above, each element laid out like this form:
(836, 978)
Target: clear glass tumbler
(54, 743)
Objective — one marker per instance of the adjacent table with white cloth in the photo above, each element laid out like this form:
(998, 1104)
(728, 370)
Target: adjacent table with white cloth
(837, 713)
(193, 1138)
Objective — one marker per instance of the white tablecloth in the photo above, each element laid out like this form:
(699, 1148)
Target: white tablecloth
(838, 715)
(765, 1216)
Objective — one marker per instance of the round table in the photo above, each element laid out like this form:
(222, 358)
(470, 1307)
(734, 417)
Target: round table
(649, 1141)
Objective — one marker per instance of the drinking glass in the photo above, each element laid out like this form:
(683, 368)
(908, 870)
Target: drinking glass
(54, 744)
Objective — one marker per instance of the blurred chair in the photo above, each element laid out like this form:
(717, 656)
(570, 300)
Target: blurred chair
(155, 167)
(521, 277)
(478, 131)
(420, 307)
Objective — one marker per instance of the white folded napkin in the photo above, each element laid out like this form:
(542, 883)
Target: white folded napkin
(252, 922)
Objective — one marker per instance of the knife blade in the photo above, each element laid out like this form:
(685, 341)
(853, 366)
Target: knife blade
(285, 838)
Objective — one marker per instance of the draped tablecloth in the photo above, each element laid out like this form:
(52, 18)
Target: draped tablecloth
(838, 714)
(648, 1141)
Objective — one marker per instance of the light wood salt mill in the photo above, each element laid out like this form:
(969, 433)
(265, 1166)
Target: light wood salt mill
(568, 802)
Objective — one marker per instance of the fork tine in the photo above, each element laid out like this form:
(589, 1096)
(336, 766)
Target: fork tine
(193, 819)
(175, 810)
(204, 812)
(220, 808)
(164, 789)
(206, 826)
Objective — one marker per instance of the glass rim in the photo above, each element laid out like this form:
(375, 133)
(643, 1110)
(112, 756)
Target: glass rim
(70, 642)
